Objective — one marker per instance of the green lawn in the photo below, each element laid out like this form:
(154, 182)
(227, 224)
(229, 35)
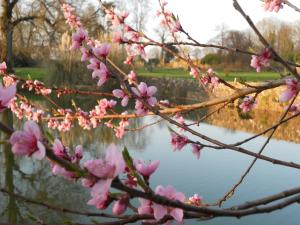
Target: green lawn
(36, 73)
(39, 73)
(180, 73)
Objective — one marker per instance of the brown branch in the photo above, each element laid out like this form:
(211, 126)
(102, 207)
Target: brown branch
(197, 44)
(23, 19)
(291, 5)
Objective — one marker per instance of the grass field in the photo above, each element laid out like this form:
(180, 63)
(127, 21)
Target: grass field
(36, 73)
(40, 73)
(180, 73)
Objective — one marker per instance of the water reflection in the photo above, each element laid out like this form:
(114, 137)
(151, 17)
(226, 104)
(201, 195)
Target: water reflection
(211, 177)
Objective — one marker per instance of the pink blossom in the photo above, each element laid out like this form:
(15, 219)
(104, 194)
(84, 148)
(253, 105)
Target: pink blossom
(86, 54)
(9, 80)
(195, 200)
(144, 91)
(177, 27)
(59, 150)
(140, 108)
(146, 169)
(6, 96)
(196, 148)
(78, 38)
(60, 171)
(62, 152)
(118, 38)
(145, 207)
(210, 71)
(178, 141)
(273, 5)
(99, 193)
(134, 36)
(102, 50)
(120, 206)
(72, 20)
(102, 74)
(94, 64)
(247, 104)
(118, 20)
(263, 59)
(120, 93)
(291, 91)
(106, 169)
(78, 154)
(194, 72)
(3, 68)
(120, 130)
(180, 120)
(132, 77)
(28, 142)
(170, 193)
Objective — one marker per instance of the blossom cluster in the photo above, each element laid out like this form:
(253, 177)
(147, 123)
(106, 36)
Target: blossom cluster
(168, 20)
(101, 173)
(273, 5)
(247, 104)
(263, 59)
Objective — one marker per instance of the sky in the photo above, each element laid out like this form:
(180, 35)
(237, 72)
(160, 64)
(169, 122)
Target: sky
(201, 17)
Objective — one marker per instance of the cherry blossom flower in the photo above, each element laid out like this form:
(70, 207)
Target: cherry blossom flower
(100, 71)
(196, 149)
(118, 38)
(6, 96)
(195, 200)
(3, 68)
(160, 211)
(144, 91)
(102, 50)
(71, 19)
(178, 141)
(62, 152)
(107, 170)
(120, 130)
(263, 59)
(247, 104)
(120, 93)
(146, 207)
(132, 77)
(99, 193)
(273, 5)
(86, 54)
(29, 141)
(78, 38)
(194, 72)
(291, 91)
(120, 206)
(146, 169)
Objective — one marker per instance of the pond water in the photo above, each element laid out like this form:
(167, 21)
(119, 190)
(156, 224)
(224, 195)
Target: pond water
(211, 176)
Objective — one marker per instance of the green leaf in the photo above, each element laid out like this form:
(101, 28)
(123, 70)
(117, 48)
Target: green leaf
(129, 162)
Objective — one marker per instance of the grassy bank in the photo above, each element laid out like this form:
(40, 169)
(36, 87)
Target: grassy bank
(40, 73)
(36, 73)
(180, 73)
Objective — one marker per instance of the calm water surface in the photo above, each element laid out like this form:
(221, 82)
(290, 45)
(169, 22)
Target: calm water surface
(211, 176)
